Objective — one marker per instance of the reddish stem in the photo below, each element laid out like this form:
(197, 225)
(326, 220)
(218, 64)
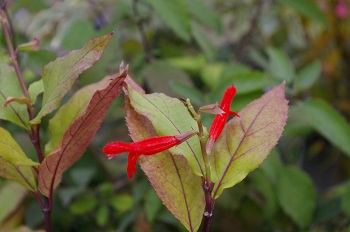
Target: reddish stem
(34, 134)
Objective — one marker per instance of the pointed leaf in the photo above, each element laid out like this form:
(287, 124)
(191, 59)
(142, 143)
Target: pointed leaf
(70, 111)
(175, 15)
(60, 75)
(10, 87)
(14, 165)
(248, 140)
(169, 116)
(78, 135)
(327, 121)
(308, 76)
(170, 175)
(280, 66)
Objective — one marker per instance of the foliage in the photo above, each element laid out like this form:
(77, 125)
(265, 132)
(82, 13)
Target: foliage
(187, 49)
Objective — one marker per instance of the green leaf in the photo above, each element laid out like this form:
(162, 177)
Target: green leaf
(169, 116)
(248, 140)
(78, 134)
(159, 74)
(102, 215)
(280, 66)
(203, 41)
(11, 197)
(152, 205)
(186, 91)
(84, 204)
(309, 9)
(10, 87)
(249, 81)
(169, 172)
(326, 121)
(308, 76)
(122, 203)
(296, 195)
(35, 89)
(60, 75)
(175, 15)
(205, 15)
(14, 165)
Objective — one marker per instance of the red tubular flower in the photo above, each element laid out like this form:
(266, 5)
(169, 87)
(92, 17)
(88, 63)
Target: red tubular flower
(220, 119)
(144, 147)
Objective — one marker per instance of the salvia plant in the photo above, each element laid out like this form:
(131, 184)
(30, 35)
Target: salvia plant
(187, 166)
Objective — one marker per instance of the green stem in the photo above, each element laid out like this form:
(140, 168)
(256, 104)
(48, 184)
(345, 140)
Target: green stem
(208, 184)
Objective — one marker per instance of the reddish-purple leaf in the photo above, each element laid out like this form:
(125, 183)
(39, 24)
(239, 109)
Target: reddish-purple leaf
(248, 140)
(78, 135)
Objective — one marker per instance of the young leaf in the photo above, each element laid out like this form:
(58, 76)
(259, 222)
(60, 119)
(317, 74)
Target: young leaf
(10, 87)
(78, 135)
(248, 140)
(170, 117)
(175, 14)
(14, 165)
(296, 195)
(60, 75)
(327, 121)
(170, 175)
(280, 66)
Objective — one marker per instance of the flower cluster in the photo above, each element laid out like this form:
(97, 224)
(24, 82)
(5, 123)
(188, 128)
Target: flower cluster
(158, 144)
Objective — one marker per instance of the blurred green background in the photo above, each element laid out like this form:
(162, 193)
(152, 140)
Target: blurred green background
(195, 49)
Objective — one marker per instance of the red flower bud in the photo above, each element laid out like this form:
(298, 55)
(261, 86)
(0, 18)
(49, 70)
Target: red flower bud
(148, 146)
(220, 119)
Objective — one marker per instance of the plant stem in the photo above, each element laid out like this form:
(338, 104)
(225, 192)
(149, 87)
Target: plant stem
(208, 184)
(35, 129)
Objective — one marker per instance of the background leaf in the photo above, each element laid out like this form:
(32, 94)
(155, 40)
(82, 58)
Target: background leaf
(280, 66)
(78, 135)
(296, 195)
(14, 165)
(10, 87)
(169, 173)
(11, 197)
(327, 121)
(248, 140)
(60, 75)
(308, 76)
(307, 8)
(175, 15)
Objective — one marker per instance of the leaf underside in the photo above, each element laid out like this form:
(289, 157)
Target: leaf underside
(79, 134)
